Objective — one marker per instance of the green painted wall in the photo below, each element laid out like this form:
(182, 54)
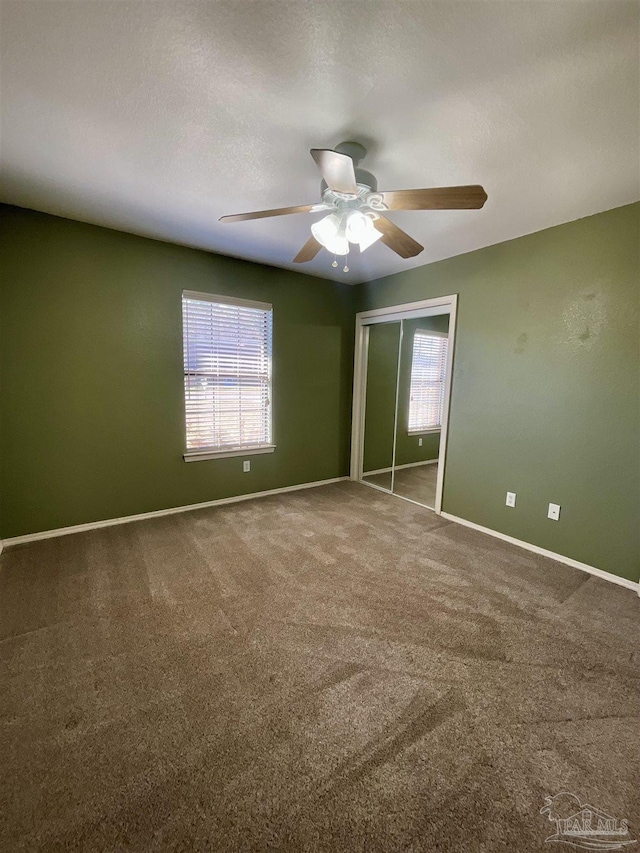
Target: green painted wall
(546, 385)
(91, 392)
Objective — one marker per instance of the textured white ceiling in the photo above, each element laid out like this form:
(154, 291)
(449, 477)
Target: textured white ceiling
(157, 118)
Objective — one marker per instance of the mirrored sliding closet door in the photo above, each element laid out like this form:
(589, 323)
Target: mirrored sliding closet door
(420, 402)
(405, 393)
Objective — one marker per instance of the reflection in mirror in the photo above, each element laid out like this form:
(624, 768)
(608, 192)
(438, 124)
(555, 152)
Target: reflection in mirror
(380, 403)
(421, 387)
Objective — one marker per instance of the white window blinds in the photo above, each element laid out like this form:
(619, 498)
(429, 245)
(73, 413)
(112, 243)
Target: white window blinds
(227, 373)
(428, 370)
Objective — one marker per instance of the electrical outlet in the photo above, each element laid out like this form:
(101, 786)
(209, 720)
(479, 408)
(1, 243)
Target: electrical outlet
(554, 512)
(511, 499)
(419, 442)
(246, 466)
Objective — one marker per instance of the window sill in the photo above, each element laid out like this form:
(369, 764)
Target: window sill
(200, 455)
(423, 431)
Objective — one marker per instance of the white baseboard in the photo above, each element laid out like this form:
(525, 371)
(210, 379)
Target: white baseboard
(399, 467)
(568, 561)
(94, 525)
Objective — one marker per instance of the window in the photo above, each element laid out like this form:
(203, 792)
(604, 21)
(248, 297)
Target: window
(428, 370)
(227, 376)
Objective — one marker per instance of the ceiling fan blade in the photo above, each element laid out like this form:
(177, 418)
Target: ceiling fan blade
(438, 198)
(261, 214)
(337, 170)
(308, 251)
(397, 239)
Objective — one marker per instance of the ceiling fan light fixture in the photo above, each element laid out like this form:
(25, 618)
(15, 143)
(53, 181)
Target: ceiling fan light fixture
(357, 208)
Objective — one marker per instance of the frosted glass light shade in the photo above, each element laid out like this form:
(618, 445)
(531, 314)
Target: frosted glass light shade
(329, 232)
(326, 228)
(356, 226)
(338, 245)
(360, 230)
(370, 235)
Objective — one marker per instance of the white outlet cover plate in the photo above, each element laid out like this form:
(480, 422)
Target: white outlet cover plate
(511, 499)
(554, 512)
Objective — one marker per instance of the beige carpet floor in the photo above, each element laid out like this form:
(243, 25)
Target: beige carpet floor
(329, 670)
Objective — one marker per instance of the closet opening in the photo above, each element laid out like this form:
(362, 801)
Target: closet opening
(402, 388)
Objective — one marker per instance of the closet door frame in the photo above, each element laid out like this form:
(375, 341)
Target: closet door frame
(410, 310)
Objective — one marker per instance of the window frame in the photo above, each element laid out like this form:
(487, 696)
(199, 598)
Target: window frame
(432, 333)
(204, 453)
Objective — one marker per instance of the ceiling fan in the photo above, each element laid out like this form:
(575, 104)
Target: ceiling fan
(357, 208)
